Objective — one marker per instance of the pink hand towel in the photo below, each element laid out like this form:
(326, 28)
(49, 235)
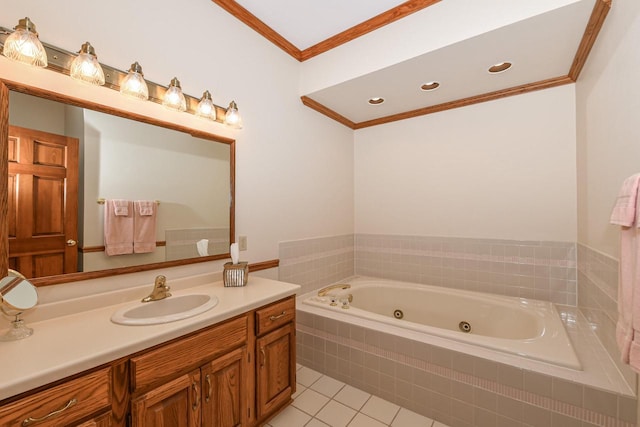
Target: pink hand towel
(624, 211)
(144, 239)
(118, 227)
(121, 207)
(624, 214)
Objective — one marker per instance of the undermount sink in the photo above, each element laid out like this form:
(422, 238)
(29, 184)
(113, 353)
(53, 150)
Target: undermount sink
(166, 310)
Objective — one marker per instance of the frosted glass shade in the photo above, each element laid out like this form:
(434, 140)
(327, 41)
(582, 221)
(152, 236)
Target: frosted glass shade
(24, 46)
(232, 117)
(133, 84)
(206, 109)
(86, 68)
(174, 98)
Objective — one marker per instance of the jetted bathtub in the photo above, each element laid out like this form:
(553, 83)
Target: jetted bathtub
(529, 328)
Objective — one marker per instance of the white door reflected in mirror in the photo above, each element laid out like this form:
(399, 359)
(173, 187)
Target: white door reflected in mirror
(17, 295)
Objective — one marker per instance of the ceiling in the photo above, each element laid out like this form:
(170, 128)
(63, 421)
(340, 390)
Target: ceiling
(546, 50)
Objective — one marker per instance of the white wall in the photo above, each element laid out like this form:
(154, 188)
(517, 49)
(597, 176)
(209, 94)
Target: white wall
(608, 113)
(504, 169)
(294, 176)
(45, 116)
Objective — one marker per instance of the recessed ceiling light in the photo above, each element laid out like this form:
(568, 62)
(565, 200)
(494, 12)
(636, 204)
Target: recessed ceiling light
(430, 86)
(500, 67)
(376, 100)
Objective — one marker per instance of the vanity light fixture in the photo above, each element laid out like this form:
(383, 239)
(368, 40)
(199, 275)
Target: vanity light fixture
(427, 87)
(499, 67)
(134, 84)
(24, 46)
(206, 109)
(376, 100)
(86, 68)
(232, 117)
(173, 97)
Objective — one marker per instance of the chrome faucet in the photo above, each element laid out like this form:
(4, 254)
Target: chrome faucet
(160, 290)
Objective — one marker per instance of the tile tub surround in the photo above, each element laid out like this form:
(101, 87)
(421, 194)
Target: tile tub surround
(461, 389)
(598, 300)
(314, 263)
(530, 269)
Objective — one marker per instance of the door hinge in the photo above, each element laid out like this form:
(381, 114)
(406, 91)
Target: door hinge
(249, 357)
(248, 412)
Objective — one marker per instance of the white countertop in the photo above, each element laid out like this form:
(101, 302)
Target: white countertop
(74, 342)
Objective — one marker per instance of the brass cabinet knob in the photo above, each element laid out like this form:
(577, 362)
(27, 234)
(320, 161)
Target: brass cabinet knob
(71, 242)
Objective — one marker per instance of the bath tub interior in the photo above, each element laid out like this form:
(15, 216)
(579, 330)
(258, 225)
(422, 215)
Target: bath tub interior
(528, 328)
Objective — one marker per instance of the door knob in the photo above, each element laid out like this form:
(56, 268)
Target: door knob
(71, 242)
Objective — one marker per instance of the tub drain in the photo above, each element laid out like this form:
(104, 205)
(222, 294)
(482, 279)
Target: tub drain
(398, 314)
(464, 327)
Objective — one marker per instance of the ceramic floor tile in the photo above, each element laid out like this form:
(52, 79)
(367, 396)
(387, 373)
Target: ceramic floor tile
(336, 414)
(361, 420)
(352, 397)
(407, 418)
(299, 389)
(310, 401)
(306, 376)
(290, 417)
(380, 409)
(327, 386)
(437, 424)
(316, 423)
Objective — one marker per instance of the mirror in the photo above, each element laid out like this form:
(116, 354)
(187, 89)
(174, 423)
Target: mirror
(190, 174)
(17, 295)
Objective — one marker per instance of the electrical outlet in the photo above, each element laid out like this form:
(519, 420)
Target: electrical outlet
(242, 243)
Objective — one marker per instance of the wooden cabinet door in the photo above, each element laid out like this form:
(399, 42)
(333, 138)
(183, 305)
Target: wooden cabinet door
(173, 404)
(224, 390)
(276, 368)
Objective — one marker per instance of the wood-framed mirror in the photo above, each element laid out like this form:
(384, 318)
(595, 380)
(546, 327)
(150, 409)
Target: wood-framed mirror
(196, 199)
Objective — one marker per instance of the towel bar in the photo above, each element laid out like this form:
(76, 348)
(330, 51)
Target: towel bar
(102, 201)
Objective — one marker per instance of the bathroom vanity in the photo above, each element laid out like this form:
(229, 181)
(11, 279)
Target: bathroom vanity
(231, 366)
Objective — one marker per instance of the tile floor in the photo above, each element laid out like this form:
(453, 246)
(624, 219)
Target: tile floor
(321, 401)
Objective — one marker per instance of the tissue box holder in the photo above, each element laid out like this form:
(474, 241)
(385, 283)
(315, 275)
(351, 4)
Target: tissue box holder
(235, 274)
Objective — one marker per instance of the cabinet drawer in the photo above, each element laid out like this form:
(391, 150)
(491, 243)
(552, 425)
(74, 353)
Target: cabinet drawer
(275, 315)
(63, 404)
(179, 356)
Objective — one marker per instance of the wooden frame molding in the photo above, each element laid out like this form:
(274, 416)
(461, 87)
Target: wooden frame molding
(257, 25)
(5, 86)
(4, 176)
(600, 12)
(491, 96)
(378, 21)
(264, 265)
(314, 105)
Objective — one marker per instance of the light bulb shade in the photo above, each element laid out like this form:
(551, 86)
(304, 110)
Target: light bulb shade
(232, 117)
(24, 46)
(134, 84)
(174, 98)
(86, 68)
(206, 109)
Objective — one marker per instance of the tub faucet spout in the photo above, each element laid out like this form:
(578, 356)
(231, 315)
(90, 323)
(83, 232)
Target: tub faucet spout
(160, 290)
(324, 291)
